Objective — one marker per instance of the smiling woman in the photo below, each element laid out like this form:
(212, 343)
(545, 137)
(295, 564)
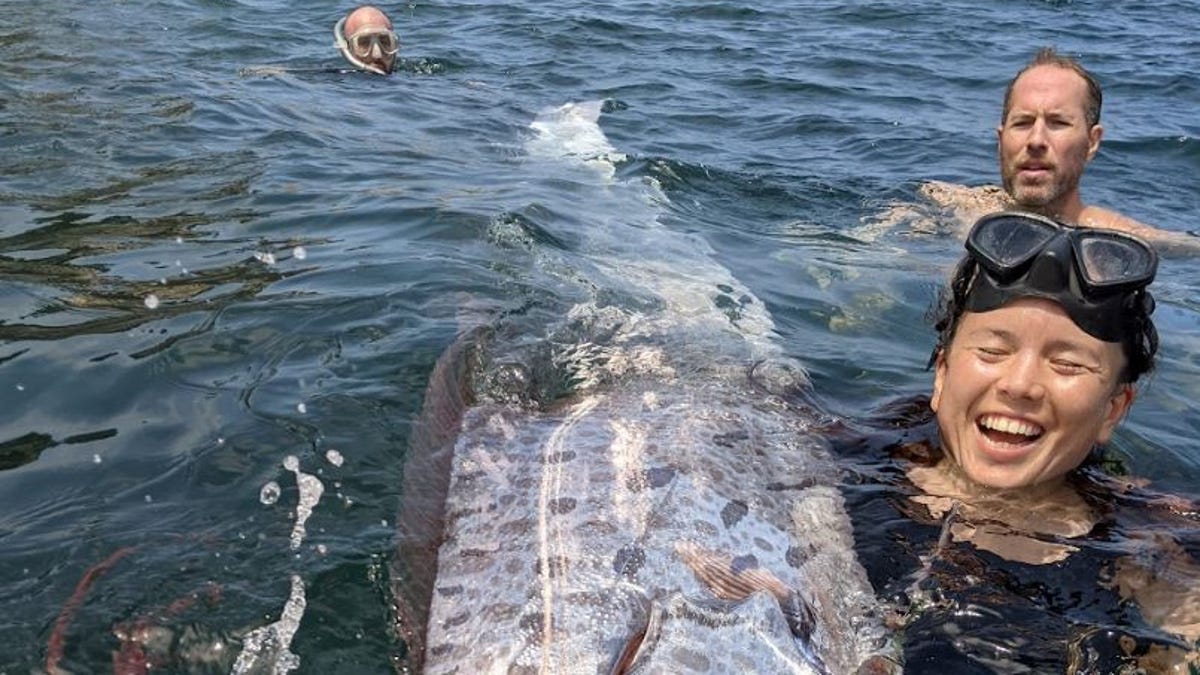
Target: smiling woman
(1022, 395)
(1043, 333)
(1041, 340)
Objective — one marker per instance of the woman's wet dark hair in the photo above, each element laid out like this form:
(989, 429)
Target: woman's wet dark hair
(1140, 342)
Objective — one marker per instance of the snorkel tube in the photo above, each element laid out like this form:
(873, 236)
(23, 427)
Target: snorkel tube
(339, 36)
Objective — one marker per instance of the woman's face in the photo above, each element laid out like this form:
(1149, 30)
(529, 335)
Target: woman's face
(1022, 394)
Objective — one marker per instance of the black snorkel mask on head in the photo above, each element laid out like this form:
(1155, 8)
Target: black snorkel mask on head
(1098, 276)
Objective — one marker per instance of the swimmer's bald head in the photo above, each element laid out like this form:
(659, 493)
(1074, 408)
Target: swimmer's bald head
(367, 40)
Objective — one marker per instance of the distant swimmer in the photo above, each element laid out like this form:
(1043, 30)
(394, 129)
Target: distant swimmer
(366, 38)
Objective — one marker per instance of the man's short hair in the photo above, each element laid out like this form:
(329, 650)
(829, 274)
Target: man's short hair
(1046, 56)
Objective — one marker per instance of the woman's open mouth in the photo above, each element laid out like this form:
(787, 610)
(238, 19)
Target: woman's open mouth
(1009, 431)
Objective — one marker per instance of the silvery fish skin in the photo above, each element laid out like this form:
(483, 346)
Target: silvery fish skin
(675, 512)
(699, 514)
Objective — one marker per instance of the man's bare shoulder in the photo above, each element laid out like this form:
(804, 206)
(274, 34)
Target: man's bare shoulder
(1105, 219)
(1098, 217)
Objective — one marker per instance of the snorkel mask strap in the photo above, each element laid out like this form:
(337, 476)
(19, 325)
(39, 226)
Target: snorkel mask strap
(339, 36)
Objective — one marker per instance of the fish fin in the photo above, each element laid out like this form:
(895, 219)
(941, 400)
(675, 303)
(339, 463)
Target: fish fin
(730, 578)
(420, 526)
(737, 578)
(641, 641)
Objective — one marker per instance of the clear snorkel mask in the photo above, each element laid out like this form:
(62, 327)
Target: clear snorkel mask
(1098, 276)
(359, 46)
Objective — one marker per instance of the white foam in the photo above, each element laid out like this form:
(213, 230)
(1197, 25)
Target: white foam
(274, 639)
(572, 130)
(622, 233)
(311, 489)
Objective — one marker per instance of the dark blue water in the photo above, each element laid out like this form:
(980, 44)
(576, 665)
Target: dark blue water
(216, 252)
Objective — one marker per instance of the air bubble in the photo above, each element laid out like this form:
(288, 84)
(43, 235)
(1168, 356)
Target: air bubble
(269, 493)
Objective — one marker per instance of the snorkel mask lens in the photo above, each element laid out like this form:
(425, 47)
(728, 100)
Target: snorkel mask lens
(361, 42)
(1111, 261)
(1093, 274)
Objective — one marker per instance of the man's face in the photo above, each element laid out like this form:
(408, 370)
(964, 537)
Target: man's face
(371, 39)
(1045, 141)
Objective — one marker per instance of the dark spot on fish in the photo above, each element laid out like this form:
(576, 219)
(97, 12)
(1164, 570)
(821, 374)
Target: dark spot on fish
(725, 288)
(525, 482)
(449, 591)
(506, 499)
(742, 563)
(716, 474)
(691, 659)
(458, 619)
(441, 650)
(532, 622)
(798, 485)
(763, 544)
(560, 457)
(562, 505)
(513, 567)
(795, 556)
(659, 476)
(659, 521)
(801, 618)
(629, 560)
(705, 528)
(557, 566)
(516, 527)
(461, 513)
(728, 440)
(733, 513)
(474, 560)
(521, 669)
(598, 528)
(466, 479)
(498, 612)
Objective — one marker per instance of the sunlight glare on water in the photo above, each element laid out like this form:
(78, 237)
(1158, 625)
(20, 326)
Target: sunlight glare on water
(220, 248)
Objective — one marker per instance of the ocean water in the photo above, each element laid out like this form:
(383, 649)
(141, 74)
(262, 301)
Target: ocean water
(227, 268)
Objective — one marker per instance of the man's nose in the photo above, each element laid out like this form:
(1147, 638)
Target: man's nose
(1037, 134)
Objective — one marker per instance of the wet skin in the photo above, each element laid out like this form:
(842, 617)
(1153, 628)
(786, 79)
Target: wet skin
(370, 21)
(1022, 394)
(1045, 141)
